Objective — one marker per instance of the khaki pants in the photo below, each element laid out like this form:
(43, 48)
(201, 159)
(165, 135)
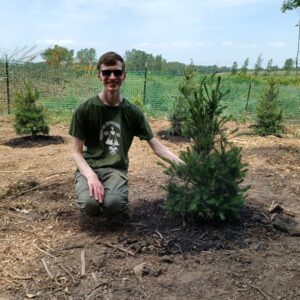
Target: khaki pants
(115, 184)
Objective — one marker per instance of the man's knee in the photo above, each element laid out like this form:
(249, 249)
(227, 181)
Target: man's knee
(85, 202)
(115, 200)
(89, 205)
(115, 203)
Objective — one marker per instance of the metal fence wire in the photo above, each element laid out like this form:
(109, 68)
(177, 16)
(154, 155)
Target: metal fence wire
(64, 88)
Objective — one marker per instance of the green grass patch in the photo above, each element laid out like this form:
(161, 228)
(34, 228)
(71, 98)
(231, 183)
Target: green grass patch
(63, 89)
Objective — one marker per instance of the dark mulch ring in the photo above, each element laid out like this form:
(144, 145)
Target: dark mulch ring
(165, 135)
(152, 230)
(37, 141)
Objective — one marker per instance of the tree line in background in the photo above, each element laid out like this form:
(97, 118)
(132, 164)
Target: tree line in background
(259, 69)
(137, 60)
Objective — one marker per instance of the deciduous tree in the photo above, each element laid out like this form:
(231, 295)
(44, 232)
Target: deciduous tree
(269, 66)
(290, 5)
(244, 68)
(234, 68)
(258, 64)
(86, 56)
(135, 59)
(288, 65)
(58, 56)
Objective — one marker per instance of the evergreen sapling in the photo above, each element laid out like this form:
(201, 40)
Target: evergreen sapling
(268, 113)
(181, 113)
(207, 185)
(29, 116)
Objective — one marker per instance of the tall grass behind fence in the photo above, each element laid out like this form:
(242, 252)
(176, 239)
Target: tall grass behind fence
(63, 88)
(244, 95)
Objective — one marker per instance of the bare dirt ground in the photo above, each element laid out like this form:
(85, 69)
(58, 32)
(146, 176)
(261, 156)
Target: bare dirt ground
(49, 251)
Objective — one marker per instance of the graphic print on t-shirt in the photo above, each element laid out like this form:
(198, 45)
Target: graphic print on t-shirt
(110, 134)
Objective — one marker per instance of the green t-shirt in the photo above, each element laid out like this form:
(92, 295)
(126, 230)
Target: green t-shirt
(108, 131)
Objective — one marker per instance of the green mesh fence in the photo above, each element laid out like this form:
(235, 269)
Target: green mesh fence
(64, 88)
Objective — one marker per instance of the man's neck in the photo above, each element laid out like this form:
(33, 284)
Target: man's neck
(110, 99)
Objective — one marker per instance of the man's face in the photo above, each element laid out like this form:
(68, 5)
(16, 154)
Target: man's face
(112, 77)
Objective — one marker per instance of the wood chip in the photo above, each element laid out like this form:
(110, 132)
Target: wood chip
(117, 247)
(82, 255)
(47, 269)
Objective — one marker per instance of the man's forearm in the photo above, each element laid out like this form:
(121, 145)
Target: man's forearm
(82, 165)
(168, 156)
(163, 152)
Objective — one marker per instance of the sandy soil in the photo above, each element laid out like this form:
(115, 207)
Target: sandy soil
(49, 251)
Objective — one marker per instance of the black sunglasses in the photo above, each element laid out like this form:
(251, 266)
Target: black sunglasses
(107, 73)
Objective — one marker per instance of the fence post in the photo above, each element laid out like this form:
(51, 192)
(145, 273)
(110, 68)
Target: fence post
(248, 95)
(145, 83)
(7, 85)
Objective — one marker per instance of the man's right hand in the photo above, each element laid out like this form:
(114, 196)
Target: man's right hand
(96, 188)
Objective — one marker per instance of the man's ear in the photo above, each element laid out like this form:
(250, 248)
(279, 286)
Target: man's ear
(98, 75)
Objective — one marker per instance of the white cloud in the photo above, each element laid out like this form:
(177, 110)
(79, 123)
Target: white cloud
(202, 44)
(56, 42)
(182, 44)
(227, 44)
(142, 44)
(230, 3)
(277, 44)
(253, 45)
(158, 7)
(171, 45)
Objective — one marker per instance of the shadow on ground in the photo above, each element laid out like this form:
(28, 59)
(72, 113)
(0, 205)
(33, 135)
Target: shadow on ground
(151, 230)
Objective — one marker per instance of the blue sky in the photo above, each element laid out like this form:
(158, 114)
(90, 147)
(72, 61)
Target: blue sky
(205, 31)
